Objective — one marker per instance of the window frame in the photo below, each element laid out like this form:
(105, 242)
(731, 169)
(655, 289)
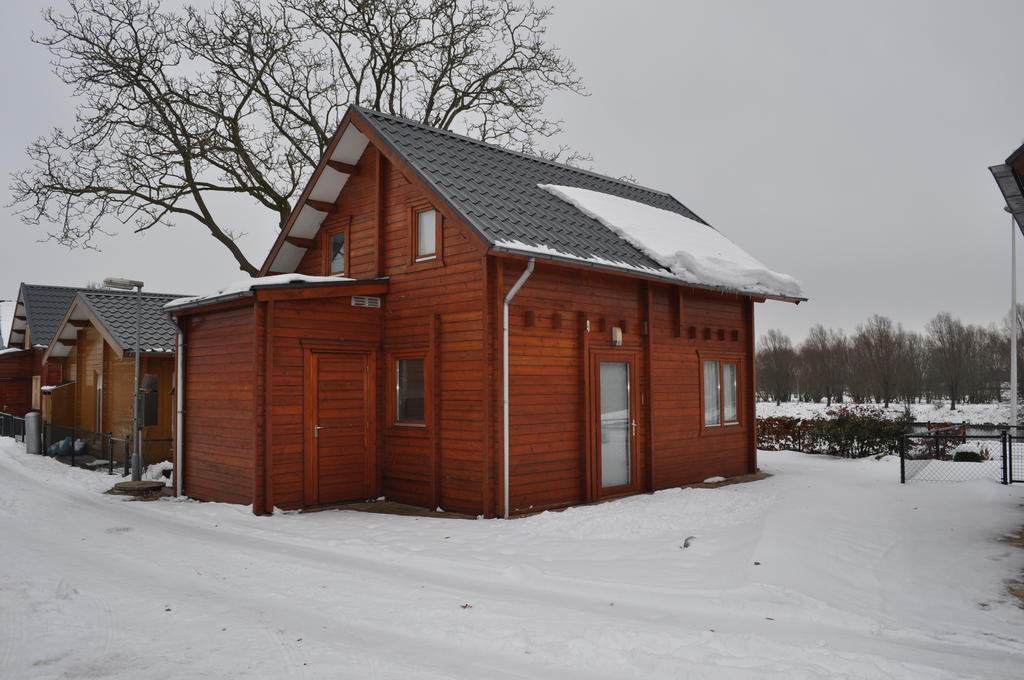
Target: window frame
(393, 386)
(721, 359)
(329, 235)
(433, 259)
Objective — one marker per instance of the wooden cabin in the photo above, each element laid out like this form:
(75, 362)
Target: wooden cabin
(94, 348)
(37, 313)
(371, 357)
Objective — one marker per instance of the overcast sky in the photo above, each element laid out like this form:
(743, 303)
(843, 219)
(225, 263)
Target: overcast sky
(846, 144)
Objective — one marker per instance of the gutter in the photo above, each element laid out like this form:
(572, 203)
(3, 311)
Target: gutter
(650, 274)
(504, 375)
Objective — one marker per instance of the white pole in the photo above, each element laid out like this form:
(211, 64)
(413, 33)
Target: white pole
(1013, 322)
(136, 416)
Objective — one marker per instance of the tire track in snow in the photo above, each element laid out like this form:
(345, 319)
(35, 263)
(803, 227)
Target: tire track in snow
(565, 598)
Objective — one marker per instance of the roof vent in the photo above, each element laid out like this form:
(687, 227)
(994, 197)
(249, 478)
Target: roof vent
(365, 301)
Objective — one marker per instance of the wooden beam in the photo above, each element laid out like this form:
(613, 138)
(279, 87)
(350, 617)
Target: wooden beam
(21, 318)
(271, 272)
(300, 242)
(346, 168)
(322, 206)
(78, 323)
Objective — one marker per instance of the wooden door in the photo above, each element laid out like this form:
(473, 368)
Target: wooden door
(339, 427)
(614, 416)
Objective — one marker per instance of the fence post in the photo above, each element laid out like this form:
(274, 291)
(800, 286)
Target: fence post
(1002, 438)
(110, 453)
(1009, 461)
(903, 459)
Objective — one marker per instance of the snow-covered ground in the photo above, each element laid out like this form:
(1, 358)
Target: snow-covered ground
(923, 413)
(827, 569)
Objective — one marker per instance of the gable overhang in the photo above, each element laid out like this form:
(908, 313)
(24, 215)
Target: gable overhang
(78, 313)
(345, 148)
(19, 324)
(324, 186)
(622, 270)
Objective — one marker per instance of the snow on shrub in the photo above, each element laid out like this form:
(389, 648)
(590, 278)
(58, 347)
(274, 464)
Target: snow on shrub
(846, 431)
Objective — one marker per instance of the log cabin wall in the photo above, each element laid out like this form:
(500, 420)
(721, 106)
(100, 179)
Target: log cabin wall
(552, 426)
(219, 377)
(292, 323)
(433, 310)
(89, 363)
(710, 326)
(16, 371)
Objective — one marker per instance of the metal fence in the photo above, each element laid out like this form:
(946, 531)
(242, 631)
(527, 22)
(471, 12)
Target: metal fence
(12, 426)
(82, 448)
(958, 453)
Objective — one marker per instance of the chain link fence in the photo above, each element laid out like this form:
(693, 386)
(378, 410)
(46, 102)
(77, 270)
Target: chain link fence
(959, 453)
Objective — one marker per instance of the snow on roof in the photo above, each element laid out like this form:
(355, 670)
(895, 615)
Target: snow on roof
(694, 252)
(244, 286)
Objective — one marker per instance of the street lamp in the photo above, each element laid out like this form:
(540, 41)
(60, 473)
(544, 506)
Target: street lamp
(1009, 186)
(128, 284)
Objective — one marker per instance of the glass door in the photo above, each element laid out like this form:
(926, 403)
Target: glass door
(617, 424)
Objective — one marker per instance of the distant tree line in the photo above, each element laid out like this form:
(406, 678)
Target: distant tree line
(881, 362)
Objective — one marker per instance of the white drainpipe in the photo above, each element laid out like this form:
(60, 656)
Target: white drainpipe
(180, 394)
(504, 373)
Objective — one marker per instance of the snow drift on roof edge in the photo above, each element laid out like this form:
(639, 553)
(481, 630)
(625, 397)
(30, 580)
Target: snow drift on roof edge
(694, 252)
(245, 285)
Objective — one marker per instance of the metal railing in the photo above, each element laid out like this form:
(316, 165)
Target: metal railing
(82, 448)
(12, 426)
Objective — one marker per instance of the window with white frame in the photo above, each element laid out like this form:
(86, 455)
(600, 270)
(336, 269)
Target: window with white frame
(720, 393)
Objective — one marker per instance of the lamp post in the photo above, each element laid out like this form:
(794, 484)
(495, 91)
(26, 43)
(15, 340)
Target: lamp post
(128, 284)
(1013, 193)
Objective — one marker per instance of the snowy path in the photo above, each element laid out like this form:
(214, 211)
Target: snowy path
(857, 578)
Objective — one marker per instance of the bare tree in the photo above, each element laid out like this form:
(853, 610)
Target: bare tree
(179, 109)
(912, 367)
(878, 345)
(776, 365)
(950, 343)
(823, 356)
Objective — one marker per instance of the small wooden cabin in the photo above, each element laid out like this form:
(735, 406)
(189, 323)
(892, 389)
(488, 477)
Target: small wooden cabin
(37, 313)
(371, 357)
(93, 347)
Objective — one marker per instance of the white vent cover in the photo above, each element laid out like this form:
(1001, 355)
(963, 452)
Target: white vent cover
(365, 301)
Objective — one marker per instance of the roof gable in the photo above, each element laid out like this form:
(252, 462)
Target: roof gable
(497, 192)
(43, 308)
(114, 314)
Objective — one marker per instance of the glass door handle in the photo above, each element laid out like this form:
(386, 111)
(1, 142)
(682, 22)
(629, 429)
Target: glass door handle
(633, 422)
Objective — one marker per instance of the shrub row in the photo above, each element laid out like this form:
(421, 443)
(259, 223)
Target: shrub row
(846, 431)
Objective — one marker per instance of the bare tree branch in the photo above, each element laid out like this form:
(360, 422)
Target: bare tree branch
(176, 108)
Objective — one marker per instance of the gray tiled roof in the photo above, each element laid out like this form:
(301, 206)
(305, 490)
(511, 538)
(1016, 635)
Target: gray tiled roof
(116, 310)
(45, 307)
(496, 191)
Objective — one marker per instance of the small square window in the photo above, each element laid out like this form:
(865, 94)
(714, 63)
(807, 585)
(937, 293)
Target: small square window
(337, 253)
(426, 234)
(409, 391)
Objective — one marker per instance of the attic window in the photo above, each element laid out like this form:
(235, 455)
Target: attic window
(337, 253)
(426, 234)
